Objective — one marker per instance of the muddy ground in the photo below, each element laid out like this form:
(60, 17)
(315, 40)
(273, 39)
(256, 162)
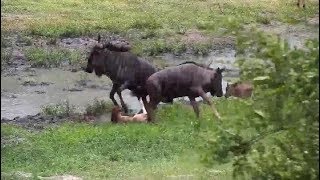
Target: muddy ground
(25, 89)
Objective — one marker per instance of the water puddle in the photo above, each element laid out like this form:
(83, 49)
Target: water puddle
(51, 87)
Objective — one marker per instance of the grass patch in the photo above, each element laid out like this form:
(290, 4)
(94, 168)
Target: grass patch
(99, 107)
(5, 42)
(24, 40)
(52, 57)
(64, 109)
(6, 55)
(155, 47)
(201, 48)
(159, 20)
(169, 147)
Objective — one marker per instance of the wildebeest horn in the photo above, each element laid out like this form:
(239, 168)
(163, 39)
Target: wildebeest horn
(221, 70)
(210, 64)
(99, 38)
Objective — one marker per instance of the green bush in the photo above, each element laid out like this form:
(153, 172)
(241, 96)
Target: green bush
(284, 142)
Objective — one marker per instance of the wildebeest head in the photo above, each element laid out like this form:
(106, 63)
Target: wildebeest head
(95, 59)
(216, 83)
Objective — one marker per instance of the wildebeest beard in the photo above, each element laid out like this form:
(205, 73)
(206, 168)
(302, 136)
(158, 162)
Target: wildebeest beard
(99, 71)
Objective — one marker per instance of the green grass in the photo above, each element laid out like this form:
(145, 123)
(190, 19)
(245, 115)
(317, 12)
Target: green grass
(170, 147)
(99, 107)
(52, 57)
(150, 25)
(74, 17)
(62, 109)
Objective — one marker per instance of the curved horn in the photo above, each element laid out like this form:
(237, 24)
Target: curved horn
(99, 38)
(210, 64)
(220, 70)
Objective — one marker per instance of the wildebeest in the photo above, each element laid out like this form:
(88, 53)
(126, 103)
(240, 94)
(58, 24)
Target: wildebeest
(242, 90)
(186, 79)
(117, 117)
(125, 69)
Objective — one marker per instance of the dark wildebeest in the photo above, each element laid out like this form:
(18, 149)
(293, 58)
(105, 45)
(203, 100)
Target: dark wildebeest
(188, 79)
(125, 69)
(242, 90)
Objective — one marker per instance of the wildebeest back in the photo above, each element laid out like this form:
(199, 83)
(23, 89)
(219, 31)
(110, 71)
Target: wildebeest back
(176, 81)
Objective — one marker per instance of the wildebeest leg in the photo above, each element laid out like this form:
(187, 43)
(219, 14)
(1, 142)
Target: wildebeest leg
(207, 100)
(112, 92)
(124, 106)
(194, 104)
(153, 105)
(144, 111)
(150, 107)
(147, 106)
(124, 86)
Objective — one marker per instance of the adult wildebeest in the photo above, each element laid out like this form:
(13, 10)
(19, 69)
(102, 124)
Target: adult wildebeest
(125, 69)
(187, 79)
(242, 90)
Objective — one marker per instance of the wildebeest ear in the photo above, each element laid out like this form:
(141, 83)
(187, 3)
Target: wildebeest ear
(220, 70)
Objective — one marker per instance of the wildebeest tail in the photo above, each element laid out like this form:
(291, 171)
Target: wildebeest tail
(191, 62)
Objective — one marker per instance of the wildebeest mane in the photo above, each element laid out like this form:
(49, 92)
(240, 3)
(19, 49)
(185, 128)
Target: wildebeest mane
(115, 44)
(118, 45)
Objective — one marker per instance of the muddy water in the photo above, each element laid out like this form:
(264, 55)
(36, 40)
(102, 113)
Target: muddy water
(25, 92)
(51, 87)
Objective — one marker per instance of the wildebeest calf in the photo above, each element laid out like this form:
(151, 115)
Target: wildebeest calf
(242, 90)
(183, 80)
(125, 69)
(117, 117)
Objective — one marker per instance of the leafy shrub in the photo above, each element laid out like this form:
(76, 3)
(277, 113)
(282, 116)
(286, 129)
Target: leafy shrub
(285, 111)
